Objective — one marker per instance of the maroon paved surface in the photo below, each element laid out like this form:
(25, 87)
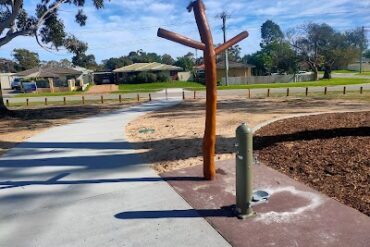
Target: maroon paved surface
(295, 215)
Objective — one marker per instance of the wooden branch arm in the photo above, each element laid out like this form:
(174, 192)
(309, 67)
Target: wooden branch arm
(231, 42)
(180, 39)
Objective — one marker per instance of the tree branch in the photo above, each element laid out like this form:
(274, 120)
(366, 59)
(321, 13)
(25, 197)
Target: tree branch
(50, 10)
(16, 6)
(11, 36)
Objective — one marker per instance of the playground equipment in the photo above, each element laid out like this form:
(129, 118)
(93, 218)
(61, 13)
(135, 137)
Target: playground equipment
(209, 55)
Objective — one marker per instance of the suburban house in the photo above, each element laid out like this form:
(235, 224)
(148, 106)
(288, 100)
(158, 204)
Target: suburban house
(53, 78)
(103, 77)
(6, 73)
(235, 70)
(123, 73)
(85, 78)
(6, 80)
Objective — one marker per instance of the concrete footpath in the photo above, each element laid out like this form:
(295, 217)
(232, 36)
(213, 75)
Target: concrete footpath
(70, 185)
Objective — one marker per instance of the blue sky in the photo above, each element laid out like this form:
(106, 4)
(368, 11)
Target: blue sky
(129, 25)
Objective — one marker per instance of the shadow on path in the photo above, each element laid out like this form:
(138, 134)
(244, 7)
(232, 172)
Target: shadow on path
(185, 213)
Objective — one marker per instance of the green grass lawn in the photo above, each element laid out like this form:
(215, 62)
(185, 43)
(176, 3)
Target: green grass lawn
(157, 86)
(29, 95)
(320, 83)
(150, 87)
(344, 71)
(364, 73)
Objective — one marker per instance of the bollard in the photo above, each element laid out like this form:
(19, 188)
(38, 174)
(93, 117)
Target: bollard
(150, 97)
(183, 95)
(64, 100)
(83, 100)
(249, 93)
(138, 97)
(7, 102)
(306, 91)
(268, 92)
(244, 162)
(325, 90)
(166, 94)
(361, 90)
(102, 99)
(46, 101)
(27, 102)
(344, 90)
(120, 98)
(194, 94)
(287, 92)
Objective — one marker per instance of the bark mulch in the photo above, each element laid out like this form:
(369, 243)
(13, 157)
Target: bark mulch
(329, 152)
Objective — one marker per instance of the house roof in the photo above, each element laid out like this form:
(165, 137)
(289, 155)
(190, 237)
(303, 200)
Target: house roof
(44, 71)
(234, 65)
(137, 67)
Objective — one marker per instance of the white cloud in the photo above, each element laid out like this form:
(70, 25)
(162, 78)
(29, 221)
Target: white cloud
(126, 25)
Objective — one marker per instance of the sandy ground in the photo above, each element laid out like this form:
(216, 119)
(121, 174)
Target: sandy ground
(172, 138)
(28, 122)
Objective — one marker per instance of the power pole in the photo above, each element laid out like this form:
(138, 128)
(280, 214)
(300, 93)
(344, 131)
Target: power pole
(224, 16)
(362, 47)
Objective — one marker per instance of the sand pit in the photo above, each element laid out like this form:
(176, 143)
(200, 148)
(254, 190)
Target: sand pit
(174, 136)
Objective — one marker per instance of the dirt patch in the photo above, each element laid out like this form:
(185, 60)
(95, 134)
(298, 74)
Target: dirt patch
(176, 139)
(98, 89)
(329, 152)
(25, 123)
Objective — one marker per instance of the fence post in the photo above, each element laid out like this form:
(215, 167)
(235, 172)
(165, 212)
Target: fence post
(64, 100)
(183, 95)
(287, 92)
(120, 98)
(344, 90)
(268, 92)
(194, 94)
(102, 99)
(361, 89)
(325, 90)
(249, 93)
(27, 102)
(46, 101)
(306, 91)
(83, 100)
(150, 97)
(138, 97)
(7, 102)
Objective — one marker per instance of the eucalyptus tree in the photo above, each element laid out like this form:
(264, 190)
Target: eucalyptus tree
(44, 24)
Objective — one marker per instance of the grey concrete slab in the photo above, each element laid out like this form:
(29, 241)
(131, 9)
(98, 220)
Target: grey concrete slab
(69, 185)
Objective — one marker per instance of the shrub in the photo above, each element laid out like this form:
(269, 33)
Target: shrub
(145, 77)
(163, 77)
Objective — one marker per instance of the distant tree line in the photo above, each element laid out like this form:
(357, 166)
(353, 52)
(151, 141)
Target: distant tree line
(312, 46)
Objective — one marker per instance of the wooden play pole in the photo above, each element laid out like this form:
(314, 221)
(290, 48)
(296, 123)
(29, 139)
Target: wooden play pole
(209, 56)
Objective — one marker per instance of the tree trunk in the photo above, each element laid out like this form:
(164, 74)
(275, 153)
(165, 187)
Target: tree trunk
(316, 72)
(327, 73)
